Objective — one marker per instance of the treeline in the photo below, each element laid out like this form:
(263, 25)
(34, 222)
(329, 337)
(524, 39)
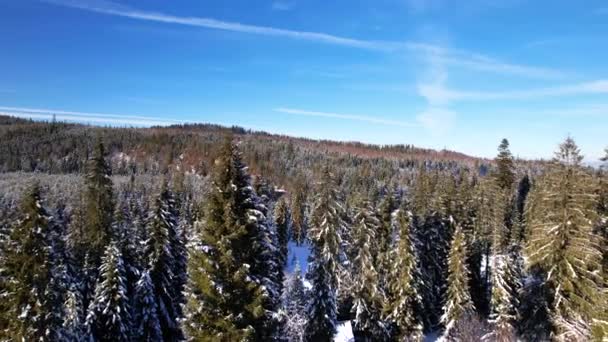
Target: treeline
(58, 147)
(401, 251)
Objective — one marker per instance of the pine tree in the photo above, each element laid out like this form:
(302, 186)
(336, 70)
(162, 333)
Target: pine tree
(108, 315)
(564, 247)
(28, 265)
(92, 229)
(294, 307)
(225, 301)
(505, 284)
(432, 242)
(368, 295)
(404, 304)
(504, 161)
(384, 237)
(298, 212)
(458, 304)
(282, 222)
(162, 232)
(74, 319)
(326, 225)
(267, 261)
(146, 325)
(99, 206)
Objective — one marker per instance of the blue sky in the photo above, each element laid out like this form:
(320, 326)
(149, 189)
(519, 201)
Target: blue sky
(433, 73)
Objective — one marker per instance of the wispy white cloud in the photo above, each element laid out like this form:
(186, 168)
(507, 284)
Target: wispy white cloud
(351, 117)
(98, 118)
(456, 57)
(437, 117)
(445, 94)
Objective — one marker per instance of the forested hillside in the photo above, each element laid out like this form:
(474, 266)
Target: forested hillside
(186, 232)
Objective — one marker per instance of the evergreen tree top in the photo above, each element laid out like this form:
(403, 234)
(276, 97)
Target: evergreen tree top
(568, 153)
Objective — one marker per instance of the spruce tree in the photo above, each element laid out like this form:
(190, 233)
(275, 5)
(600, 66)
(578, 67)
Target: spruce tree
(505, 284)
(432, 243)
(325, 228)
(404, 304)
(162, 230)
(225, 301)
(458, 304)
(267, 261)
(99, 206)
(282, 222)
(368, 295)
(298, 213)
(563, 246)
(294, 307)
(505, 175)
(146, 323)
(108, 315)
(28, 265)
(74, 328)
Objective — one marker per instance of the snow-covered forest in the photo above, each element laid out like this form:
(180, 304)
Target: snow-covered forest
(205, 233)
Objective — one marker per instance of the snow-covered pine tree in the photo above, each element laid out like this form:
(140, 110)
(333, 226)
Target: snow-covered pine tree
(146, 324)
(384, 238)
(432, 243)
(74, 328)
(108, 315)
(225, 301)
(162, 230)
(127, 239)
(325, 228)
(294, 307)
(504, 281)
(28, 266)
(266, 265)
(282, 222)
(458, 305)
(368, 295)
(404, 304)
(562, 244)
(180, 269)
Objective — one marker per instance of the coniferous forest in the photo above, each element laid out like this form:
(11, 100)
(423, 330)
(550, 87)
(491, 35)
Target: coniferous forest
(208, 233)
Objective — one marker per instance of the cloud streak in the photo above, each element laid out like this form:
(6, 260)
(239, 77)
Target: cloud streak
(351, 117)
(98, 118)
(440, 92)
(455, 57)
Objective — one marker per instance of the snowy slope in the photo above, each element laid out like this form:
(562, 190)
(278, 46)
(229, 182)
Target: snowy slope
(344, 333)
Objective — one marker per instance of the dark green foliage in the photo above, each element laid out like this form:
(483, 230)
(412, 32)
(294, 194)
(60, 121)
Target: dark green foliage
(298, 213)
(403, 305)
(99, 205)
(225, 302)
(28, 294)
(282, 222)
(368, 294)
(563, 246)
(505, 175)
(458, 305)
(432, 241)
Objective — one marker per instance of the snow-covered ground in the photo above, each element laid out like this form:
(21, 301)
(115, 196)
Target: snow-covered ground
(344, 333)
